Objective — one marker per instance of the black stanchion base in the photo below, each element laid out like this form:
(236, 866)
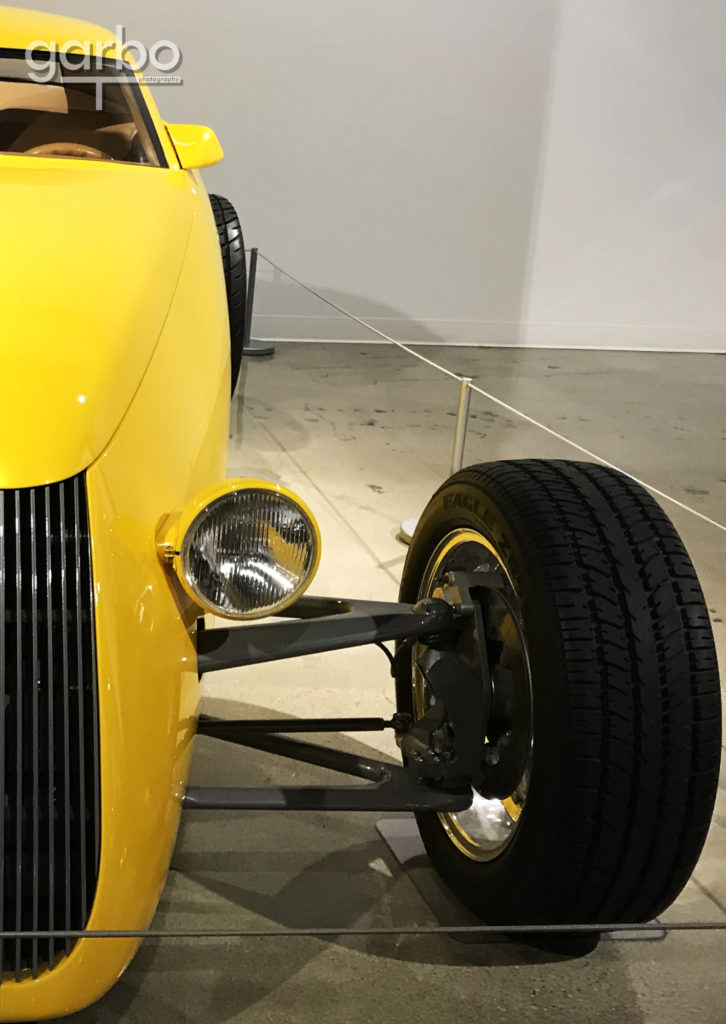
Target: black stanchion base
(258, 348)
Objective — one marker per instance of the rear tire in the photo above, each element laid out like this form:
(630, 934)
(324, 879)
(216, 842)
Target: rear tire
(625, 699)
(231, 242)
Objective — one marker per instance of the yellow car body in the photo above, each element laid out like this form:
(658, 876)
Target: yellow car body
(114, 328)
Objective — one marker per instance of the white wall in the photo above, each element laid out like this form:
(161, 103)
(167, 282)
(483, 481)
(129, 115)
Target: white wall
(478, 171)
(630, 243)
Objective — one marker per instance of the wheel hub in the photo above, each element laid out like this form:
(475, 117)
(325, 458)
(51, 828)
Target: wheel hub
(484, 830)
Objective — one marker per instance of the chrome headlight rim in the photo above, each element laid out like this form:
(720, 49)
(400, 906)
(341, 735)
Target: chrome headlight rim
(202, 507)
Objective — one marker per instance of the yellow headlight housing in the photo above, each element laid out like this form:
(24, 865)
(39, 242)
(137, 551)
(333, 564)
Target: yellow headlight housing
(245, 549)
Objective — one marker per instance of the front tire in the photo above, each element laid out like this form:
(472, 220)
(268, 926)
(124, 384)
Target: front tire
(234, 264)
(612, 807)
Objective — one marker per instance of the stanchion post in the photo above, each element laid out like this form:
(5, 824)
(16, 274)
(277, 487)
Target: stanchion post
(462, 421)
(408, 526)
(250, 347)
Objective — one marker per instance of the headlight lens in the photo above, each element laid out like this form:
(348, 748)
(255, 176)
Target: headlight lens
(250, 553)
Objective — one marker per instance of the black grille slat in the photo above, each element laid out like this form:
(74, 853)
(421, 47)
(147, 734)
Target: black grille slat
(65, 706)
(81, 785)
(50, 661)
(49, 764)
(95, 766)
(19, 751)
(35, 735)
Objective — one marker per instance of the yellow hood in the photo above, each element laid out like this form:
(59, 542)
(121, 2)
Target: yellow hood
(90, 255)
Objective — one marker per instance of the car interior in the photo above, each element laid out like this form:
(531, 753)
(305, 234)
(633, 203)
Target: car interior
(72, 116)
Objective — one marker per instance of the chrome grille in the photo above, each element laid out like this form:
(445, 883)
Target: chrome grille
(49, 767)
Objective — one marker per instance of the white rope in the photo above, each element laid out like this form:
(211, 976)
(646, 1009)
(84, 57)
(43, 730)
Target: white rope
(498, 401)
(598, 458)
(352, 316)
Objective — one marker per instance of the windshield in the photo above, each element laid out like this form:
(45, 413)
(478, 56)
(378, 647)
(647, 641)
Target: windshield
(49, 109)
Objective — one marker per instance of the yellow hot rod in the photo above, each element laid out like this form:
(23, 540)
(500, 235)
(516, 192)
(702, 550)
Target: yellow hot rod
(557, 692)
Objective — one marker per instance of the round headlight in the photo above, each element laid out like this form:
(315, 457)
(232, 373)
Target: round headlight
(250, 552)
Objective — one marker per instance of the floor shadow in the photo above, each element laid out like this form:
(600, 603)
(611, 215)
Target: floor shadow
(338, 888)
(288, 870)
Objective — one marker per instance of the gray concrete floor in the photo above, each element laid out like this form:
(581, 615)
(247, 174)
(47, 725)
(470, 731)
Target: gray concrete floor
(363, 433)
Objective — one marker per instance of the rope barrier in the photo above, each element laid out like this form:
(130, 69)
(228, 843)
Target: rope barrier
(498, 401)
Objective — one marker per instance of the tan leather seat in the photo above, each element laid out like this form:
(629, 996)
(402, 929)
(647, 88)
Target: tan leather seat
(127, 131)
(28, 96)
